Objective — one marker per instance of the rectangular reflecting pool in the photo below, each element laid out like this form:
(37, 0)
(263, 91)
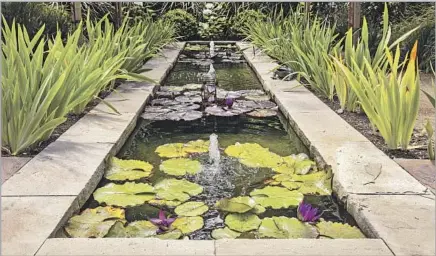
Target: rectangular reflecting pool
(204, 168)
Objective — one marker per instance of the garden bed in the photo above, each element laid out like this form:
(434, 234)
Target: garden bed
(360, 122)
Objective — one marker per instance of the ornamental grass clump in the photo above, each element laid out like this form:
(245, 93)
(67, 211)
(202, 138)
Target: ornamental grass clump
(390, 98)
(301, 42)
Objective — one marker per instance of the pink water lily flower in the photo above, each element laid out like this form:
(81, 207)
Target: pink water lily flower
(307, 213)
(163, 223)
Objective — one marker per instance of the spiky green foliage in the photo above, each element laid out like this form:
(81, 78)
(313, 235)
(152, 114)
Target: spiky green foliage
(390, 100)
(41, 87)
(301, 42)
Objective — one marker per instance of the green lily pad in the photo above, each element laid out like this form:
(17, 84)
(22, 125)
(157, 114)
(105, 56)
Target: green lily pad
(170, 235)
(224, 233)
(338, 230)
(239, 204)
(258, 209)
(178, 190)
(284, 227)
(168, 203)
(180, 166)
(298, 164)
(188, 224)
(171, 150)
(127, 194)
(276, 197)
(141, 228)
(242, 222)
(94, 222)
(127, 169)
(317, 183)
(196, 146)
(117, 230)
(254, 155)
(191, 209)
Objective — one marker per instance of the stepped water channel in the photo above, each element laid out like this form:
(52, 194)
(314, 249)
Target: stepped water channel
(234, 146)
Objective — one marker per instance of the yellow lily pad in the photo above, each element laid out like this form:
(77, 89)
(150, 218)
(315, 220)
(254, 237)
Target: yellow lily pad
(295, 164)
(94, 222)
(180, 166)
(127, 194)
(196, 146)
(191, 209)
(188, 224)
(254, 155)
(170, 235)
(224, 233)
(168, 203)
(239, 204)
(276, 197)
(141, 228)
(178, 190)
(242, 222)
(284, 227)
(258, 209)
(120, 169)
(338, 230)
(317, 183)
(173, 150)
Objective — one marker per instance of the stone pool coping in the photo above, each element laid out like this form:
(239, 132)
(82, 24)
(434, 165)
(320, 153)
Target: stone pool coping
(41, 196)
(385, 200)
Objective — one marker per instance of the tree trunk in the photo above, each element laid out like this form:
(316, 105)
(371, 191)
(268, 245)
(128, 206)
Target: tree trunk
(354, 18)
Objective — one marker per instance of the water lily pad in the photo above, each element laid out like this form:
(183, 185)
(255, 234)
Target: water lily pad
(317, 183)
(127, 169)
(258, 209)
(247, 93)
(180, 166)
(262, 113)
(239, 204)
(190, 99)
(192, 87)
(94, 222)
(168, 203)
(283, 227)
(196, 146)
(187, 115)
(242, 222)
(163, 102)
(179, 190)
(276, 197)
(185, 107)
(254, 155)
(191, 209)
(224, 233)
(161, 94)
(170, 235)
(171, 150)
(117, 230)
(141, 228)
(257, 97)
(127, 194)
(221, 111)
(338, 230)
(297, 164)
(192, 93)
(172, 88)
(265, 104)
(188, 224)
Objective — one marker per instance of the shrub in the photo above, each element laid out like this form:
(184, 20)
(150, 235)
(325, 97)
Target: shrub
(240, 20)
(185, 23)
(214, 23)
(34, 15)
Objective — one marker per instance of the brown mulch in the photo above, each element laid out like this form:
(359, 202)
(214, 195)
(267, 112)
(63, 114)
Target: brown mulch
(361, 123)
(71, 120)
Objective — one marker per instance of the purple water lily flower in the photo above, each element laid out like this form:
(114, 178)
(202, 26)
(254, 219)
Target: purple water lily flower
(163, 223)
(307, 213)
(229, 102)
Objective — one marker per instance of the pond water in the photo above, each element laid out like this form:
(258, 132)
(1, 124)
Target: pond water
(221, 174)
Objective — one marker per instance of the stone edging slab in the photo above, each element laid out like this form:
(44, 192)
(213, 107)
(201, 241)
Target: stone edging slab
(46, 191)
(236, 247)
(385, 200)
